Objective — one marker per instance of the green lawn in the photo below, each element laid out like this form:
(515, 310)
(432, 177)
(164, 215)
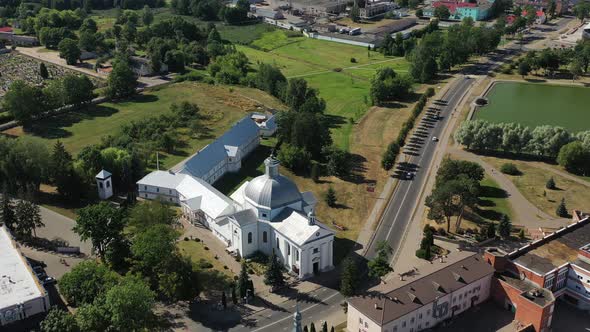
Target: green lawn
(221, 105)
(538, 104)
(329, 67)
(493, 202)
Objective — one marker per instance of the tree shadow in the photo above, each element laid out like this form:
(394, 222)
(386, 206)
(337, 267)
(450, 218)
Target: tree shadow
(493, 192)
(210, 316)
(357, 169)
(334, 121)
(139, 98)
(53, 127)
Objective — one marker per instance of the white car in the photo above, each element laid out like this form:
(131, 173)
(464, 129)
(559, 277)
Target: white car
(434, 139)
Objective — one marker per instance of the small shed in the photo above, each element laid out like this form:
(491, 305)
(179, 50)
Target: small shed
(104, 183)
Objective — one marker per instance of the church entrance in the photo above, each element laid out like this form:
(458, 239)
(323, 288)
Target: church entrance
(316, 267)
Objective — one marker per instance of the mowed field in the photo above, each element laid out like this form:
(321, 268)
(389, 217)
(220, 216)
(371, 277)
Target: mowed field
(538, 104)
(341, 73)
(221, 107)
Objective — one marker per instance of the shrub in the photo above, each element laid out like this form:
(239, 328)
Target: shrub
(197, 239)
(424, 253)
(510, 169)
(186, 238)
(206, 248)
(353, 60)
(550, 184)
(204, 264)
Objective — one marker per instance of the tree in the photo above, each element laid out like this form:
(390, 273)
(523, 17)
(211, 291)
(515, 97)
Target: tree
(379, 265)
(325, 327)
(575, 68)
(69, 50)
(101, 223)
(524, 68)
(581, 10)
(562, 209)
(575, 158)
(58, 320)
(7, 216)
(521, 234)
(491, 231)
(505, 227)
(451, 169)
(338, 161)
(122, 81)
(387, 86)
(312, 327)
(273, 275)
(153, 246)
(355, 12)
(389, 156)
(89, 25)
(419, 12)
(330, 197)
(43, 71)
(234, 298)
(23, 102)
(550, 184)
(223, 300)
(442, 12)
(147, 16)
(349, 277)
(243, 281)
(87, 41)
(86, 282)
(77, 89)
(146, 214)
(129, 304)
(28, 218)
(62, 172)
(551, 9)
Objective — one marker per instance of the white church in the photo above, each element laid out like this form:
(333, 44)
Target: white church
(265, 214)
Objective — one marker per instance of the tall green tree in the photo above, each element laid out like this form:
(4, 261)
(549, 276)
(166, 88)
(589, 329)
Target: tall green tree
(349, 277)
(122, 81)
(101, 223)
(505, 227)
(58, 320)
(575, 158)
(86, 282)
(69, 50)
(62, 172)
(273, 276)
(7, 216)
(147, 15)
(129, 304)
(28, 218)
(43, 71)
(243, 281)
(562, 209)
(145, 214)
(379, 265)
(153, 246)
(23, 102)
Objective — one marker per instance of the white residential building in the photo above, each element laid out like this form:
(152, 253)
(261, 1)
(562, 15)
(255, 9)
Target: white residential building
(21, 294)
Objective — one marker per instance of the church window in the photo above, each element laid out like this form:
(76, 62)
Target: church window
(288, 250)
(158, 189)
(264, 237)
(264, 215)
(249, 237)
(297, 255)
(316, 250)
(144, 187)
(278, 244)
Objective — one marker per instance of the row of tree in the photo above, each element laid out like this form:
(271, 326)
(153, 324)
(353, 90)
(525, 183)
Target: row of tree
(577, 60)
(26, 102)
(570, 150)
(21, 216)
(211, 10)
(393, 149)
(438, 51)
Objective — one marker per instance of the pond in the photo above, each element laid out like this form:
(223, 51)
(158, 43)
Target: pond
(538, 104)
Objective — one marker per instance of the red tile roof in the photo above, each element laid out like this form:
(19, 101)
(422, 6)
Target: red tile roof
(5, 29)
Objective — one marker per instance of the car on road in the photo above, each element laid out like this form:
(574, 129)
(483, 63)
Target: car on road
(410, 175)
(434, 139)
(48, 281)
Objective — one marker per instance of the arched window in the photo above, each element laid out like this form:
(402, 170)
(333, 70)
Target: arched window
(249, 237)
(264, 239)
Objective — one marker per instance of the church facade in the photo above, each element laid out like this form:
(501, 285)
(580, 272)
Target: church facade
(266, 214)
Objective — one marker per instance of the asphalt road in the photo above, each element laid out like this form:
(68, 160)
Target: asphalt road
(419, 153)
(325, 302)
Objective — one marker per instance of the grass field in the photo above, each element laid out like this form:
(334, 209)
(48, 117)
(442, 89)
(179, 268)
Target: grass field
(531, 185)
(327, 66)
(538, 104)
(222, 106)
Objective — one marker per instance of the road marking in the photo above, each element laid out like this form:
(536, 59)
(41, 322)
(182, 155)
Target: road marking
(302, 311)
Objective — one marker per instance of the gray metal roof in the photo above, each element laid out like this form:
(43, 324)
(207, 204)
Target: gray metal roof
(103, 174)
(272, 190)
(211, 155)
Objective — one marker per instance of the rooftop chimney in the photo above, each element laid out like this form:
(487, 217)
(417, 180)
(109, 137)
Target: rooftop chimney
(311, 217)
(272, 166)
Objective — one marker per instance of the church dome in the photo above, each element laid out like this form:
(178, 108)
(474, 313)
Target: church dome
(272, 190)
